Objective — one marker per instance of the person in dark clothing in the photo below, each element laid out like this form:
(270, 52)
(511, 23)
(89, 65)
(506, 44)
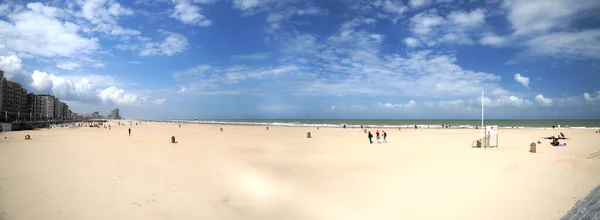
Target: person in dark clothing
(370, 138)
(129, 131)
(384, 137)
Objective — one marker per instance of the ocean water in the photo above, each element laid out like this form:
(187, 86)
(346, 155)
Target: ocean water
(542, 124)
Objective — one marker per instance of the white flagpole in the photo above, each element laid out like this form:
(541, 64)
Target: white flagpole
(482, 109)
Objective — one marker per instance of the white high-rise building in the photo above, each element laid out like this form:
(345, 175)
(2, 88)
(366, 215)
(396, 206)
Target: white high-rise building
(114, 114)
(46, 106)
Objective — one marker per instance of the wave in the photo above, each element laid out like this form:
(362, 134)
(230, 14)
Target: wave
(341, 125)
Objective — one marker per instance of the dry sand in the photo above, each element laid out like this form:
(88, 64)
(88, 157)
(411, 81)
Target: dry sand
(247, 172)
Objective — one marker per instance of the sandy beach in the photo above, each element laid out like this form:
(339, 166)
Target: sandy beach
(248, 172)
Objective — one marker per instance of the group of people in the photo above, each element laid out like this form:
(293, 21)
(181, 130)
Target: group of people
(378, 137)
(554, 140)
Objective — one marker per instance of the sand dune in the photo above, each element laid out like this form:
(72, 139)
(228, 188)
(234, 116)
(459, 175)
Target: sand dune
(247, 172)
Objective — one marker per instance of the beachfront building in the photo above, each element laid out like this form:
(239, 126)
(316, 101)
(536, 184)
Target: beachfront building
(35, 103)
(1, 89)
(114, 114)
(14, 100)
(31, 101)
(65, 111)
(46, 106)
(57, 108)
(15, 104)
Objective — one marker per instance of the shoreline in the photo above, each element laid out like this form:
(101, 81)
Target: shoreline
(349, 126)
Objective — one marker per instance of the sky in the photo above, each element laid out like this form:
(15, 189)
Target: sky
(309, 59)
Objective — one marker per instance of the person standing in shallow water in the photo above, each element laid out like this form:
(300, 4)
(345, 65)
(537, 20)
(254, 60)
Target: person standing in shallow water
(370, 138)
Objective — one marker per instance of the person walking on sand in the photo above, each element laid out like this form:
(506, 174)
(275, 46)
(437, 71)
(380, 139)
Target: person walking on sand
(377, 133)
(370, 138)
(384, 137)
(129, 131)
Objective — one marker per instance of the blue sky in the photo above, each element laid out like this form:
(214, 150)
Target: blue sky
(218, 59)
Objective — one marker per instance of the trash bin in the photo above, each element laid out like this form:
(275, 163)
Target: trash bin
(532, 147)
(308, 135)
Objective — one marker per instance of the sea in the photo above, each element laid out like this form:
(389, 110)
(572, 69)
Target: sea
(432, 124)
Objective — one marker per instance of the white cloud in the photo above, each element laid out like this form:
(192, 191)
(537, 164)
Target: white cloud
(543, 100)
(68, 65)
(10, 65)
(312, 11)
(118, 30)
(41, 81)
(37, 30)
(204, 78)
(394, 6)
(535, 16)
(255, 56)
(590, 98)
(388, 105)
(278, 12)
(301, 44)
(419, 3)
(246, 4)
(174, 43)
(118, 96)
(13, 69)
(422, 74)
(188, 13)
(61, 87)
(4, 9)
(571, 45)
(492, 40)
(546, 28)
(103, 16)
(515, 101)
(424, 22)
(522, 79)
(99, 11)
(82, 88)
(182, 89)
(160, 101)
(96, 79)
(411, 42)
(348, 108)
(472, 104)
(458, 27)
(468, 19)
